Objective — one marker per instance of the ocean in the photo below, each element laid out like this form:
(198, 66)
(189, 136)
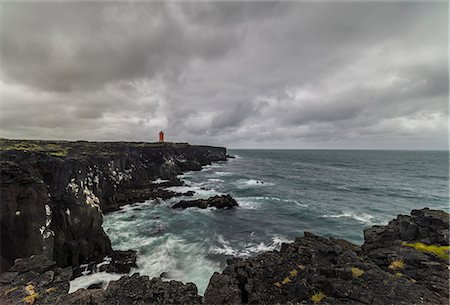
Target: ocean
(281, 194)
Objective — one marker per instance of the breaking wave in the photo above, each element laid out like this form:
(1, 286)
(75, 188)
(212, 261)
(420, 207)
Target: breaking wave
(363, 217)
(248, 249)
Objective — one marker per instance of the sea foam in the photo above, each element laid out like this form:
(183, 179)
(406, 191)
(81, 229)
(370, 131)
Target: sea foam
(363, 217)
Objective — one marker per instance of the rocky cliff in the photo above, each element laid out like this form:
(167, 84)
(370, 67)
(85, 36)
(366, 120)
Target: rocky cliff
(405, 262)
(53, 194)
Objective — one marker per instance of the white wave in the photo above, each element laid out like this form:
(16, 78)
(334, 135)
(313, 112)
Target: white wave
(344, 188)
(224, 248)
(87, 280)
(186, 174)
(214, 165)
(274, 245)
(253, 202)
(183, 189)
(222, 173)
(216, 180)
(363, 217)
(244, 183)
(179, 260)
(135, 242)
(248, 249)
(248, 203)
(303, 205)
(199, 191)
(135, 206)
(206, 193)
(159, 181)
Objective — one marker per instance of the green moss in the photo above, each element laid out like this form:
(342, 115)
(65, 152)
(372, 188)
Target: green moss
(31, 298)
(397, 264)
(34, 146)
(357, 272)
(286, 280)
(317, 297)
(7, 291)
(32, 294)
(51, 289)
(439, 251)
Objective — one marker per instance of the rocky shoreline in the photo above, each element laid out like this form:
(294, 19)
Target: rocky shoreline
(404, 262)
(55, 193)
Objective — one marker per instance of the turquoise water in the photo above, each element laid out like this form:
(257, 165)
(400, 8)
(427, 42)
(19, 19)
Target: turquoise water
(281, 193)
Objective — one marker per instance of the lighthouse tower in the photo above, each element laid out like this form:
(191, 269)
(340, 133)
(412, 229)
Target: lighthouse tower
(161, 136)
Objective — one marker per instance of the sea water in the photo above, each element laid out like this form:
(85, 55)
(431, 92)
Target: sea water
(281, 194)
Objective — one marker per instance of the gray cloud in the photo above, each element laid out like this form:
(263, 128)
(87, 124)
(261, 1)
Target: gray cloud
(264, 74)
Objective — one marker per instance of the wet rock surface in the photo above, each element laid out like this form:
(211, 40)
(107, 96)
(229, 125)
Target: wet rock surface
(117, 262)
(387, 269)
(53, 194)
(34, 280)
(137, 289)
(219, 202)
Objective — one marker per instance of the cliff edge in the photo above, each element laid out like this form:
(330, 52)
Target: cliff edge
(54, 193)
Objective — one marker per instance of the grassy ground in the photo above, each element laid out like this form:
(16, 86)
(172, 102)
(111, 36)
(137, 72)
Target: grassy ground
(64, 148)
(55, 149)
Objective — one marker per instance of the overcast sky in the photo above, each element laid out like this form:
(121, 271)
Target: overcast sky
(236, 74)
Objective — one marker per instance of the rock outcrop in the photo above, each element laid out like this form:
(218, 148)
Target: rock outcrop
(405, 262)
(35, 280)
(219, 202)
(137, 289)
(392, 267)
(53, 194)
(117, 262)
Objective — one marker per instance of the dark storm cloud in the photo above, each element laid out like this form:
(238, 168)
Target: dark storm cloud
(265, 74)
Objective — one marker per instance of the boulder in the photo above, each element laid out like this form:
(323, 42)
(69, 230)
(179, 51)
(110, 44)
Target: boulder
(219, 202)
(117, 262)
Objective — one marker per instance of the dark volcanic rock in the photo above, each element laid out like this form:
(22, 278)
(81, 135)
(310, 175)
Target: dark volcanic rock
(385, 271)
(312, 269)
(117, 262)
(426, 226)
(34, 284)
(219, 202)
(24, 198)
(53, 194)
(37, 263)
(123, 261)
(98, 285)
(137, 289)
(141, 290)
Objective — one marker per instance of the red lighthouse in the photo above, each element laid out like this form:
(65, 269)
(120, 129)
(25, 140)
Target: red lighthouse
(161, 136)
